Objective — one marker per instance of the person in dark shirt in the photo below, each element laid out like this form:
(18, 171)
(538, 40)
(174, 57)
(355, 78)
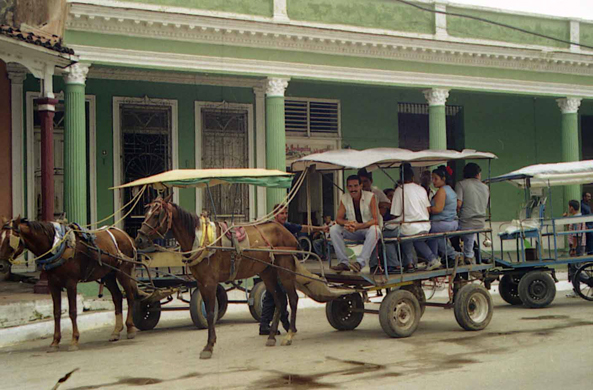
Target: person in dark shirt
(268, 306)
(586, 210)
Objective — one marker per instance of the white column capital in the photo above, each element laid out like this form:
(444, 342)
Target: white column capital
(76, 73)
(569, 105)
(436, 96)
(276, 86)
(16, 74)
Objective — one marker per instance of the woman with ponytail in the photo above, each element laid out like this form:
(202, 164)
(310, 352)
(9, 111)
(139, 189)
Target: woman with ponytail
(443, 211)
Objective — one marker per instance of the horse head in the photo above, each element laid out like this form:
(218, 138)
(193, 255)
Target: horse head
(11, 245)
(157, 221)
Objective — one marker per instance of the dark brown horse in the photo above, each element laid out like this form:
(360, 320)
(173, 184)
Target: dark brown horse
(80, 264)
(186, 227)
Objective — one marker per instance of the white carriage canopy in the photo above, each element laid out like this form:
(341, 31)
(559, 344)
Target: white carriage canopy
(200, 178)
(548, 175)
(383, 158)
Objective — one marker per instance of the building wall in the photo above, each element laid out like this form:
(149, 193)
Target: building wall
(5, 147)
(247, 7)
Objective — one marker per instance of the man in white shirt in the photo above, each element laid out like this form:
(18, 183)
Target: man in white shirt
(383, 202)
(357, 220)
(412, 217)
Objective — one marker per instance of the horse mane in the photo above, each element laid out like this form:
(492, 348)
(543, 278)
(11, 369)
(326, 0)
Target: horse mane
(44, 228)
(188, 219)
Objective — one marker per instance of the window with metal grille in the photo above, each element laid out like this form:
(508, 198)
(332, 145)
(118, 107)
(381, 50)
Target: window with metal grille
(422, 109)
(308, 117)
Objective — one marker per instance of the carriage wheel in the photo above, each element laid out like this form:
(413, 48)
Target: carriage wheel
(537, 289)
(509, 289)
(256, 300)
(146, 315)
(304, 246)
(197, 310)
(582, 281)
(223, 301)
(473, 307)
(418, 292)
(399, 314)
(345, 312)
(4, 270)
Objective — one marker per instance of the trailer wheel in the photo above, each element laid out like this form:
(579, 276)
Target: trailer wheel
(345, 312)
(473, 307)
(582, 281)
(5, 267)
(197, 310)
(256, 300)
(223, 301)
(146, 315)
(400, 313)
(509, 289)
(418, 292)
(537, 289)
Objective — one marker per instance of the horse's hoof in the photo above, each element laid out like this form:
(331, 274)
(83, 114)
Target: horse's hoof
(205, 355)
(53, 348)
(286, 342)
(270, 343)
(73, 348)
(114, 337)
(131, 335)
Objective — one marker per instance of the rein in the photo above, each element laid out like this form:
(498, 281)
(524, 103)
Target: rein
(158, 205)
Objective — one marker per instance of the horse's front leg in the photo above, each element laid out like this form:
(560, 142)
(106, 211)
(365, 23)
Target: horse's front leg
(131, 289)
(209, 296)
(56, 296)
(117, 298)
(71, 289)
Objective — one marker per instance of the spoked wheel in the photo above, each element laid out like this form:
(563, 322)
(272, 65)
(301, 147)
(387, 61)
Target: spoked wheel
(223, 301)
(537, 289)
(305, 246)
(400, 313)
(418, 292)
(197, 310)
(583, 281)
(473, 307)
(509, 289)
(256, 300)
(5, 267)
(345, 312)
(146, 315)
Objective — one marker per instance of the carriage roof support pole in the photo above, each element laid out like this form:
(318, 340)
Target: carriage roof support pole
(211, 200)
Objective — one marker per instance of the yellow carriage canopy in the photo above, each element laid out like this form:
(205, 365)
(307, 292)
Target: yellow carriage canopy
(200, 178)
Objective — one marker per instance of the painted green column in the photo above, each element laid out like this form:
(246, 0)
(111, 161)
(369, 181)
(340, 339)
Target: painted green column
(75, 155)
(437, 121)
(275, 135)
(570, 141)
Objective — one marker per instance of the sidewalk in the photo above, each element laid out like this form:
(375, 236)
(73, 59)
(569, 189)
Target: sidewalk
(27, 316)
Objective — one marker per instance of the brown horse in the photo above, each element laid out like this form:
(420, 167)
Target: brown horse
(163, 215)
(83, 263)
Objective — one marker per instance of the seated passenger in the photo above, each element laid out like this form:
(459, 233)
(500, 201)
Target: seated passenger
(389, 193)
(412, 211)
(366, 180)
(443, 212)
(357, 219)
(472, 201)
(320, 242)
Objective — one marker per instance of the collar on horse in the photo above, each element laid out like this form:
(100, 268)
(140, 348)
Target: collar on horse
(51, 261)
(208, 236)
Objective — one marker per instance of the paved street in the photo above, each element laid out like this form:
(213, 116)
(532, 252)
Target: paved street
(549, 348)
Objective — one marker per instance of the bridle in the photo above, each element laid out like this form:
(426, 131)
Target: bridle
(15, 241)
(158, 206)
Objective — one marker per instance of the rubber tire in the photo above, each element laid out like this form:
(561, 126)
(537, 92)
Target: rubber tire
(5, 268)
(465, 302)
(340, 314)
(223, 301)
(537, 279)
(587, 267)
(418, 292)
(143, 318)
(388, 309)
(256, 295)
(508, 289)
(197, 310)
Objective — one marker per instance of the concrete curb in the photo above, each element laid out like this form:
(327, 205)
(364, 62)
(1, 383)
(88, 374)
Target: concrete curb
(89, 321)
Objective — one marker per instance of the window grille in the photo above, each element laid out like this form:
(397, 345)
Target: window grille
(308, 116)
(422, 109)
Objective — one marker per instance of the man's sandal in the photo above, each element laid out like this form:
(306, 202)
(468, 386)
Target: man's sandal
(355, 267)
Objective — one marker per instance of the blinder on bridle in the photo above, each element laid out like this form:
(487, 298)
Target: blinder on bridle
(164, 209)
